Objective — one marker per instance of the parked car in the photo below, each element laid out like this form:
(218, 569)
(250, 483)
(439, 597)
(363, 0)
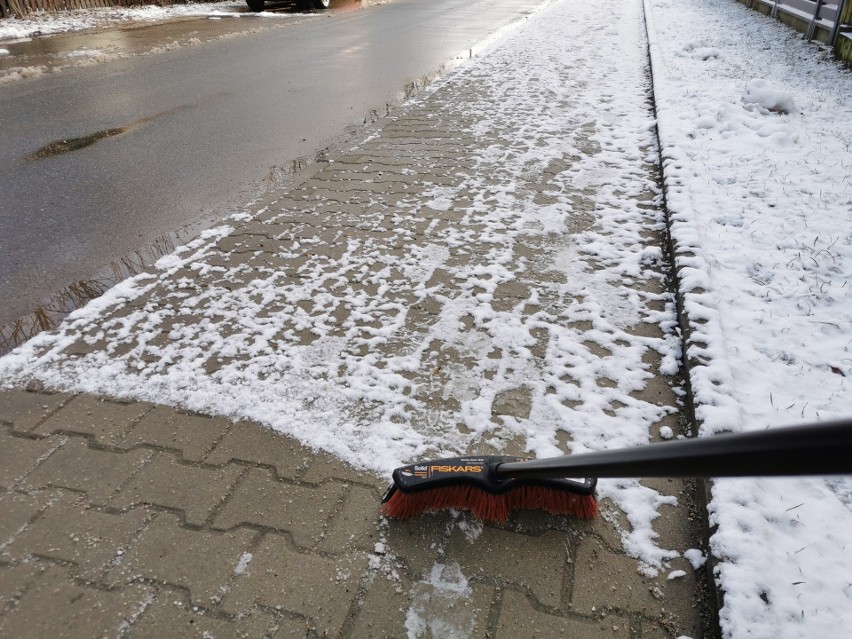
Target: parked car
(257, 5)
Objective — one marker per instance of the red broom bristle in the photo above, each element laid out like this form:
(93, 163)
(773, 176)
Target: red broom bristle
(490, 507)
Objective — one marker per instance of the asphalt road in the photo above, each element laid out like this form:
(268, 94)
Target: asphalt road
(202, 125)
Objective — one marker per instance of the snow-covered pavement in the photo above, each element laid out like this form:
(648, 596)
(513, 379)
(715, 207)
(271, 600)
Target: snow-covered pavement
(503, 288)
(416, 308)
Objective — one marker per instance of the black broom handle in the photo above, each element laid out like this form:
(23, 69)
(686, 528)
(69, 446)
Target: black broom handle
(815, 449)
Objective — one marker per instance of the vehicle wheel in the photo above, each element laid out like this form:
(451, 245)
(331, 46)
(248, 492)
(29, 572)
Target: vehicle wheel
(322, 4)
(255, 5)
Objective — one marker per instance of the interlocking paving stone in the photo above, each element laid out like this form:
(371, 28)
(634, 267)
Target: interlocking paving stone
(265, 501)
(383, 609)
(355, 525)
(444, 602)
(519, 618)
(192, 435)
(604, 579)
(98, 473)
(323, 465)
(250, 442)
(71, 531)
(106, 421)
(169, 616)
(203, 562)
(163, 482)
(320, 587)
(19, 455)
(15, 579)
(419, 542)
(55, 606)
(25, 410)
(537, 563)
(17, 509)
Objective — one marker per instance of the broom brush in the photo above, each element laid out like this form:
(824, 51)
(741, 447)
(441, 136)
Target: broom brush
(492, 487)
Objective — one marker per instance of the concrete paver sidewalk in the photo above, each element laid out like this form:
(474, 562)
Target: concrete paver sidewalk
(136, 519)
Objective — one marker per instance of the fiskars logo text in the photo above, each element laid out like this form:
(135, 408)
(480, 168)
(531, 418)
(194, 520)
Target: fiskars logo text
(455, 469)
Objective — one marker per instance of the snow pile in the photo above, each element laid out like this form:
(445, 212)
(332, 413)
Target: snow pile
(44, 23)
(761, 95)
(760, 192)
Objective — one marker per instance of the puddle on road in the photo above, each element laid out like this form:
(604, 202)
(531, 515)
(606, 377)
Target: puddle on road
(60, 147)
(50, 314)
(73, 144)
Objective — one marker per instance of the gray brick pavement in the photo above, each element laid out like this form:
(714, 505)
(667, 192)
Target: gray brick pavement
(137, 541)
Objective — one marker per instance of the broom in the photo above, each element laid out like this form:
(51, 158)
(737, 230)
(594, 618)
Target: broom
(494, 486)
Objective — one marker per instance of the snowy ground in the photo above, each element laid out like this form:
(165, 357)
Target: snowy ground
(756, 127)
(44, 23)
(756, 143)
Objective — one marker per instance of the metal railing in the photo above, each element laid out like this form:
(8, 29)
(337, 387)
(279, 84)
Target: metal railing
(824, 14)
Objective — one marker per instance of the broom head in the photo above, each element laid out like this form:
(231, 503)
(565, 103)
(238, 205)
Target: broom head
(470, 483)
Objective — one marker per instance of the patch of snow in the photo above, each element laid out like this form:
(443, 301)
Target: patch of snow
(676, 574)
(695, 557)
(48, 23)
(4, 52)
(22, 73)
(767, 98)
(704, 53)
(243, 563)
(666, 432)
(82, 53)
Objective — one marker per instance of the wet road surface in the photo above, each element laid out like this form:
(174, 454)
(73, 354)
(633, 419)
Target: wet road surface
(181, 137)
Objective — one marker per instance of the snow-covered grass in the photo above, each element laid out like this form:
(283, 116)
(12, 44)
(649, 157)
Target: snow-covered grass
(757, 147)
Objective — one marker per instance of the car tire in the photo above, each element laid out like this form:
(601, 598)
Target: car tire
(255, 5)
(322, 4)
